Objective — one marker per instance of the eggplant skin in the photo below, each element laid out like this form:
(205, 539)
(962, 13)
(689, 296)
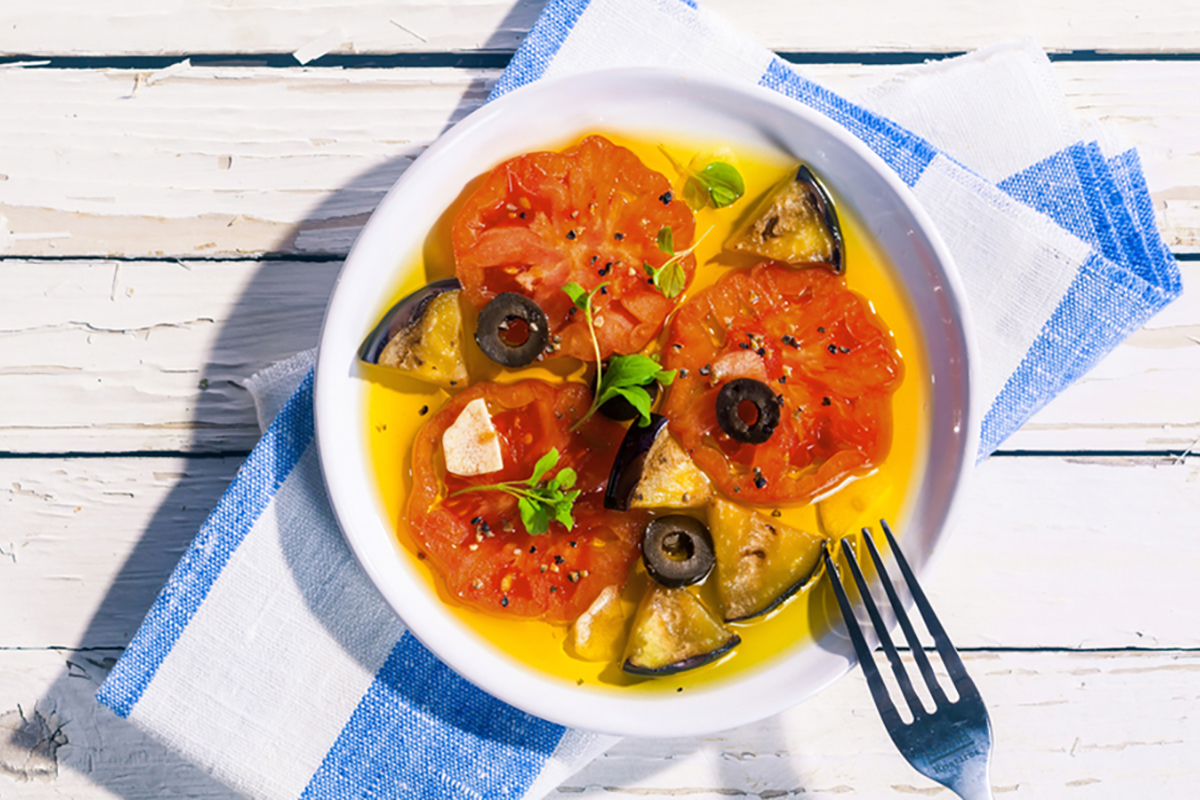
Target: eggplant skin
(684, 665)
(781, 599)
(402, 316)
(630, 460)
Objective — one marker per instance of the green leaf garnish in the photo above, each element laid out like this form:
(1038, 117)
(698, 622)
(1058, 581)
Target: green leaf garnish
(671, 278)
(719, 183)
(539, 500)
(723, 183)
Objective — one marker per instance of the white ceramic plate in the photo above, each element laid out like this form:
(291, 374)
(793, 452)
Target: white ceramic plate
(632, 101)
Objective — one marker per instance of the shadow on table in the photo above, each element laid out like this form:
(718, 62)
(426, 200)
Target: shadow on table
(272, 319)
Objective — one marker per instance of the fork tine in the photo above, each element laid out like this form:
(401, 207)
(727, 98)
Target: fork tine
(914, 644)
(885, 639)
(954, 665)
(879, 692)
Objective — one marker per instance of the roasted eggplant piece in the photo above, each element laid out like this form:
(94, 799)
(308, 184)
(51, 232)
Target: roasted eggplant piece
(599, 633)
(423, 336)
(795, 223)
(760, 563)
(651, 470)
(673, 631)
(677, 550)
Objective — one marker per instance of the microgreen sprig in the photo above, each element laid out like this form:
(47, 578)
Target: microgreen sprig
(671, 278)
(539, 500)
(718, 183)
(626, 376)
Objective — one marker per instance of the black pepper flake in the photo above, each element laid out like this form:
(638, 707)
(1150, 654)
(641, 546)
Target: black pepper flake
(559, 559)
(504, 601)
(543, 568)
(683, 373)
(790, 340)
(594, 259)
(825, 401)
(706, 369)
(573, 577)
(843, 349)
(420, 555)
(483, 526)
(476, 520)
(665, 198)
(424, 410)
(554, 588)
(574, 544)
(454, 383)
(679, 689)
(533, 548)
(522, 215)
(573, 310)
(618, 236)
(832, 348)
(783, 378)
(558, 414)
(820, 330)
(677, 347)
(759, 481)
(571, 235)
(777, 513)
(737, 489)
(762, 351)
(744, 345)
(603, 290)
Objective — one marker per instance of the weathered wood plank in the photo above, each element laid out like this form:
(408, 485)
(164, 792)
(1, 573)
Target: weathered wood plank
(119, 356)
(1097, 726)
(115, 162)
(1046, 553)
(375, 26)
(131, 356)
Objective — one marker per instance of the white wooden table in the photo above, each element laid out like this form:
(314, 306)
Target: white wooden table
(167, 231)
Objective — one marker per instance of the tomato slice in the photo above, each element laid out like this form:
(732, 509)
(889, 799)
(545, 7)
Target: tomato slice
(590, 214)
(477, 541)
(819, 346)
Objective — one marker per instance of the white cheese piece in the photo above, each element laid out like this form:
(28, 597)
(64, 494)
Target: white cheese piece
(471, 445)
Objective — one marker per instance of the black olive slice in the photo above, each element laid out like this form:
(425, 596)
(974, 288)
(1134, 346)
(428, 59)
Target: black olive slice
(766, 410)
(677, 550)
(823, 203)
(618, 408)
(512, 330)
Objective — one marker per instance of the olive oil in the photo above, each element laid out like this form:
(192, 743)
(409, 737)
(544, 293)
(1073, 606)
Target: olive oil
(397, 406)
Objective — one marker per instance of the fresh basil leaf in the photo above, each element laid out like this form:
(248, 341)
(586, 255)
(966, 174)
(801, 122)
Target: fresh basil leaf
(724, 183)
(579, 296)
(672, 280)
(666, 377)
(533, 516)
(562, 512)
(666, 240)
(639, 398)
(543, 465)
(565, 478)
(634, 370)
(695, 194)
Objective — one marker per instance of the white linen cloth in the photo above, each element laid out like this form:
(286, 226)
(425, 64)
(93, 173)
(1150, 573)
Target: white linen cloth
(270, 659)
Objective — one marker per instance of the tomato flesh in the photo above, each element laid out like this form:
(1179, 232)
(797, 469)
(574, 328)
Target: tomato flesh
(477, 541)
(818, 346)
(590, 214)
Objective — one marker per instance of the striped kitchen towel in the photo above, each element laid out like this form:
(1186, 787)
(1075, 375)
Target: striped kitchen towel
(270, 659)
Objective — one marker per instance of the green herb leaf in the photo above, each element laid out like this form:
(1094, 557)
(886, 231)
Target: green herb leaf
(639, 398)
(723, 182)
(666, 240)
(672, 279)
(634, 370)
(543, 465)
(579, 295)
(539, 500)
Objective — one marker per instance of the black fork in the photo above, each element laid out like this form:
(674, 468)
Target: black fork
(951, 745)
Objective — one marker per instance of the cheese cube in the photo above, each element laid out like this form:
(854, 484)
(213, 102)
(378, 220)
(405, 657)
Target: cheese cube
(472, 445)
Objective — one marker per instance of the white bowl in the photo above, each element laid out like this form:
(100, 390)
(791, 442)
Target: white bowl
(631, 101)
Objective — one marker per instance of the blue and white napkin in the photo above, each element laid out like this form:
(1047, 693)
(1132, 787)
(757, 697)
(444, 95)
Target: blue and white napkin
(270, 659)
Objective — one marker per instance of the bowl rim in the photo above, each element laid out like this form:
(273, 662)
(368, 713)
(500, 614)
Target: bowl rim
(602, 710)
